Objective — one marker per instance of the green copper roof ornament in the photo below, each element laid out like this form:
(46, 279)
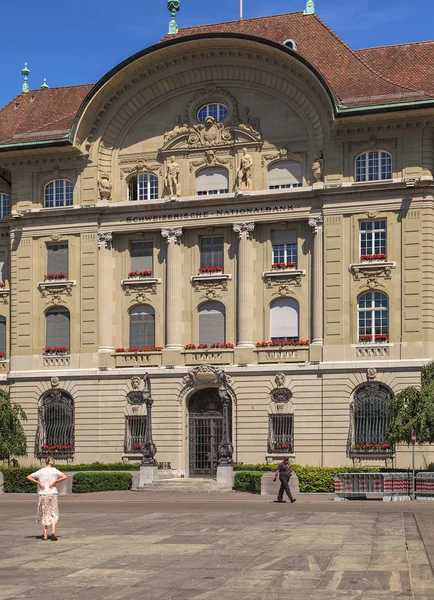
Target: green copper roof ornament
(173, 6)
(310, 8)
(25, 73)
(45, 85)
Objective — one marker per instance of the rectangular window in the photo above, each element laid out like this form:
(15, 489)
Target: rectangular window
(281, 434)
(2, 267)
(57, 258)
(373, 240)
(135, 427)
(211, 252)
(284, 247)
(141, 256)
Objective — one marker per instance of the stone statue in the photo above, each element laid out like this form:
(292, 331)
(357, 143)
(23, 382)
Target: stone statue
(177, 129)
(250, 123)
(318, 167)
(244, 175)
(105, 187)
(172, 178)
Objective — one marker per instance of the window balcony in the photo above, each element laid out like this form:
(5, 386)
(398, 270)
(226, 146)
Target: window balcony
(371, 451)
(140, 285)
(125, 358)
(278, 275)
(56, 288)
(221, 354)
(372, 268)
(285, 353)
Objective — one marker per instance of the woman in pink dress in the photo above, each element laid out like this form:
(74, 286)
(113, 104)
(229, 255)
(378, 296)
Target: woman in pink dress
(48, 510)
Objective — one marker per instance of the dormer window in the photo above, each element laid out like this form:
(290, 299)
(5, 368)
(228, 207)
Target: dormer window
(58, 193)
(216, 110)
(143, 187)
(373, 166)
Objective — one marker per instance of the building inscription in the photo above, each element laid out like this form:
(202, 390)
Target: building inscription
(214, 213)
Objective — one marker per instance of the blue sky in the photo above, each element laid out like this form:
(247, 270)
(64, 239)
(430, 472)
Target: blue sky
(77, 42)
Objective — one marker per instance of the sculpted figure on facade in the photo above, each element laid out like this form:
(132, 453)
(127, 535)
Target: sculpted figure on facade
(318, 167)
(105, 186)
(178, 129)
(249, 123)
(244, 175)
(172, 178)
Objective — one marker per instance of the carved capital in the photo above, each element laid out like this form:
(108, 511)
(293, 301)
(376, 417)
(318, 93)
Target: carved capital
(244, 229)
(172, 235)
(105, 240)
(316, 223)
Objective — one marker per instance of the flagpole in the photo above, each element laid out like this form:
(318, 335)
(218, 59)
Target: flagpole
(241, 10)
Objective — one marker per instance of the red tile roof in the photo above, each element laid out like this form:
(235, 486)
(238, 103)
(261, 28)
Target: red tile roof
(357, 77)
(353, 80)
(409, 64)
(41, 114)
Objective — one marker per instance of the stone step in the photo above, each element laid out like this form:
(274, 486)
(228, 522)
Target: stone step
(182, 485)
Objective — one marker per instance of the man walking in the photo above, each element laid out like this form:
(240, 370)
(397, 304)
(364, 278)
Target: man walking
(284, 472)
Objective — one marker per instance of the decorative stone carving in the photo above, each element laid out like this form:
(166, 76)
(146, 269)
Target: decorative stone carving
(55, 382)
(378, 350)
(140, 288)
(250, 123)
(281, 395)
(56, 361)
(371, 373)
(172, 235)
(135, 398)
(209, 133)
(283, 279)
(105, 240)
(135, 382)
(244, 174)
(316, 223)
(284, 153)
(171, 181)
(243, 229)
(206, 374)
(177, 129)
(140, 166)
(372, 271)
(280, 379)
(318, 167)
(210, 160)
(105, 186)
(56, 292)
(373, 143)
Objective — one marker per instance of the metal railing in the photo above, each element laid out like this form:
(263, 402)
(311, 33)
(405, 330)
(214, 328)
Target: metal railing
(396, 486)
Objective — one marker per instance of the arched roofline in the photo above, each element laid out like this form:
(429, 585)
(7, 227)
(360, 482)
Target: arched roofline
(201, 36)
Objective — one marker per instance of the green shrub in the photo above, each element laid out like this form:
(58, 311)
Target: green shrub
(99, 466)
(15, 481)
(248, 481)
(83, 483)
(262, 468)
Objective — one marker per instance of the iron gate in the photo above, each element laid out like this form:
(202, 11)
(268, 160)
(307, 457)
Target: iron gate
(205, 432)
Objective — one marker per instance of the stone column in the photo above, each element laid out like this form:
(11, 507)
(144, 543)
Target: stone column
(173, 288)
(245, 308)
(317, 282)
(105, 294)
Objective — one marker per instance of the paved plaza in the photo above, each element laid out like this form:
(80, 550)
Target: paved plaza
(232, 546)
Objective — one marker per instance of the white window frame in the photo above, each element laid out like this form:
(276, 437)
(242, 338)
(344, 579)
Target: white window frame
(288, 250)
(368, 238)
(5, 205)
(377, 325)
(219, 114)
(368, 166)
(146, 185)
(60, 198)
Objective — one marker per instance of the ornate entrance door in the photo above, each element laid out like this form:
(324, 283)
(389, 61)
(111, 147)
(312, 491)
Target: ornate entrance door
(205, 432)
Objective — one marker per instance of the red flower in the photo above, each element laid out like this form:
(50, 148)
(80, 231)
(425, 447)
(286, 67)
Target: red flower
(139, 273)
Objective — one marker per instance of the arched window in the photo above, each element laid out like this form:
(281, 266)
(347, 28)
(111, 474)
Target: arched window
(2, 337)
(285, 174)
(373, 166)
(370, 421)
(5, 205)
(55, 434)
(212, 323)
(212, 181)
(284, 320)
(142, 327)
(58, 193)
(143, 187)
(373, 311)
(216, 110)
(58, 328)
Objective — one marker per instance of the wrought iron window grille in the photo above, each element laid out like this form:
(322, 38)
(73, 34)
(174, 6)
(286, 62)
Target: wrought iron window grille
(281, 434)
(56, 428)
(135, 427)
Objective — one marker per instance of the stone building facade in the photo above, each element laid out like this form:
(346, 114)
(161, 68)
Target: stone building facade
(221, 209)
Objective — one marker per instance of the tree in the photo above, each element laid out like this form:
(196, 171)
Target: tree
(12, 437)
(413, 408)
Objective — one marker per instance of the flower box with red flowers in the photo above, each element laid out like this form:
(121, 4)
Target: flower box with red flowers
(137, 446)
(373, 257)
(283, 446)
(277, 343)
(2, 284)
(57, 449)
(284, 265)
(55, 276)
(139, 274)
(210, 270)
(220, 346)
(2, 356)
(56, 350)
(372, 447)
(371, 339)
(137, 349)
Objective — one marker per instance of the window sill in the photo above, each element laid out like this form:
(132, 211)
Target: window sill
(55, 285)
(131, 281)
(372, 267)
(290, 273)
(207, 276)
(131, 359)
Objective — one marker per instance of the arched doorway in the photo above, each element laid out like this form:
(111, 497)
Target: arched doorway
(205, 419)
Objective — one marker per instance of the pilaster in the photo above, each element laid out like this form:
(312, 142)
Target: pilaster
(245, 316)
(173, 287)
